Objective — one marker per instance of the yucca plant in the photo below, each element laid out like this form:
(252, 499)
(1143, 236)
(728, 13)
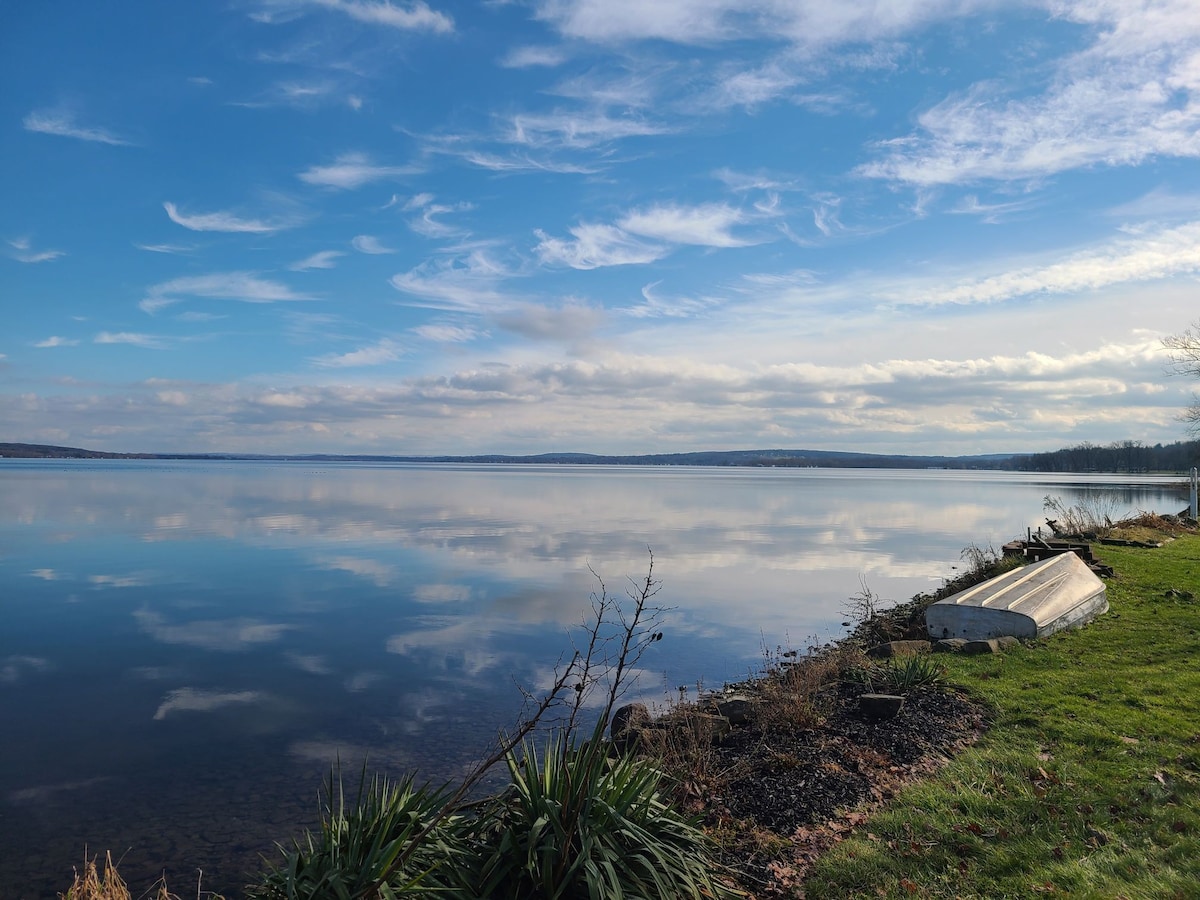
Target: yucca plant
(377, 849)
(576, 823)
(897, 676)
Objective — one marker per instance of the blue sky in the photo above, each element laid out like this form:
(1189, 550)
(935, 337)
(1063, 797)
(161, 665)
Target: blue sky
(951, 226)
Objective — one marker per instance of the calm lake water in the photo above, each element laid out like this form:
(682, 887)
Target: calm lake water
(186, 647)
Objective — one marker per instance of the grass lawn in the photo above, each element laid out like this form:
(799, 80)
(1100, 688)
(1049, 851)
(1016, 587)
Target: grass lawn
(1088, 782)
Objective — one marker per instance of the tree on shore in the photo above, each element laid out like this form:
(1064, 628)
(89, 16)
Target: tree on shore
(1184, 349)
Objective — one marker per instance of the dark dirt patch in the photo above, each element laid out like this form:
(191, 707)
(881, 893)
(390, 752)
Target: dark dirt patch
(792, 792)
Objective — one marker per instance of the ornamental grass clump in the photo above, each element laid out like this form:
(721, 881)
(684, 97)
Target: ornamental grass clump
(395, 840)
(577, 823)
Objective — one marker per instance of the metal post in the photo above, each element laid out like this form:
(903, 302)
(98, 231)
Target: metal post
(1193, 493)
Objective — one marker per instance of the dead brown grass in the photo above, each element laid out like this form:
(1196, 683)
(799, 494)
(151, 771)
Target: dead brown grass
(105, 883)
(92, 884)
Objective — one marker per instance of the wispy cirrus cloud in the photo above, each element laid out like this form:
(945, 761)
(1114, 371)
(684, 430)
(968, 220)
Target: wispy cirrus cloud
(705, 225)
(353, 170)
(415, 16)
(427, 222)
(596, 246)
(22, 251)
(227, 221)
(1143, 255)
(642, 236)
(811, 25)
(246, 287)
(383, 351)
(167, 248)
(56, 341)
(369, 244)
(323, 259)
(533, 55)
(1131, 95)
(446, 334)
(577, 130)
(63, 124)
(466, 282)
(149, 341)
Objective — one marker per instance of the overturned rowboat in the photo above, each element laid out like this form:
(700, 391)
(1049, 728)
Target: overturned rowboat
(1032, 601)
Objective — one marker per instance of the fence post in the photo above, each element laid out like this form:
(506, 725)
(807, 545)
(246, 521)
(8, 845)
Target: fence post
(1192, 508)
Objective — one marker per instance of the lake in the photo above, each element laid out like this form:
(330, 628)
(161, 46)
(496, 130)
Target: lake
(188, 646)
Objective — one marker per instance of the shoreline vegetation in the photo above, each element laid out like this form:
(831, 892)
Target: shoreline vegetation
(1065, 766)
(1119, 457)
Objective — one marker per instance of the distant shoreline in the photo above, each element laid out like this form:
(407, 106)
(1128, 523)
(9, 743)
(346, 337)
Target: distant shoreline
(1116, 459)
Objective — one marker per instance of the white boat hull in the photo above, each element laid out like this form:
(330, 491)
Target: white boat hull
(1032, 601)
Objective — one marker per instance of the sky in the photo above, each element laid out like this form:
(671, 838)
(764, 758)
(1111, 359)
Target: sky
(616, 226)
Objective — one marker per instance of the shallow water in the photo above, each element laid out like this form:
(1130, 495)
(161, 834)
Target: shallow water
(188, 646)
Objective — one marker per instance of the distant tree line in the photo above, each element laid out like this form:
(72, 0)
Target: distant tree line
(1119, 456)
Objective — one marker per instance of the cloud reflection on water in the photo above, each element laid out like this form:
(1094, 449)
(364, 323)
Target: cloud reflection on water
(188, 699)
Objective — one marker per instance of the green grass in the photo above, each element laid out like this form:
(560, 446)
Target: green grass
(1088, 782)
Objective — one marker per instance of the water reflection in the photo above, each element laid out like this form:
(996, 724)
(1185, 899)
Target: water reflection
(214, 635)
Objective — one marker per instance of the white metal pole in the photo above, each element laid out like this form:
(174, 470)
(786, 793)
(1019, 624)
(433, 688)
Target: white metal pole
(1193, 492)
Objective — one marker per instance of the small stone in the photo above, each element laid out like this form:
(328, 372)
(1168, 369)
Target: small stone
(980, 648)
(880, 706)
(632, 717)
(892, 649)
(736, 708)
(949, 645)
(709, 727)
(1007, 642)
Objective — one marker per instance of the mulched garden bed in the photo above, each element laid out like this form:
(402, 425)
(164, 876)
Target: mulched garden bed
(792, 792)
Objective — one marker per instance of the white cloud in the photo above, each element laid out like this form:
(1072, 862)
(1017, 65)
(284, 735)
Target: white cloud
(244, 286)
(428, 224)
(166, 248)
(1140, 257)
(706, 225)
(991, 213)
(353, 170)
(22, 251)
(446, 334)
(369, 244)
(529, 56)
(416, 16)
(576, 130)
(225, 221)
(151, 305)
(148, 341)
(324, 259)
(377, 354)
(1132, 95)
(188, 699)
(596, 246)
(63, 124)
(812, 24)
(522, 163)
(56, 341)
(468, 282)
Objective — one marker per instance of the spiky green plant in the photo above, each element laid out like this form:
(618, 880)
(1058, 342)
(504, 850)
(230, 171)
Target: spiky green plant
(576, 823)
(354, 854)
(897, 676)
